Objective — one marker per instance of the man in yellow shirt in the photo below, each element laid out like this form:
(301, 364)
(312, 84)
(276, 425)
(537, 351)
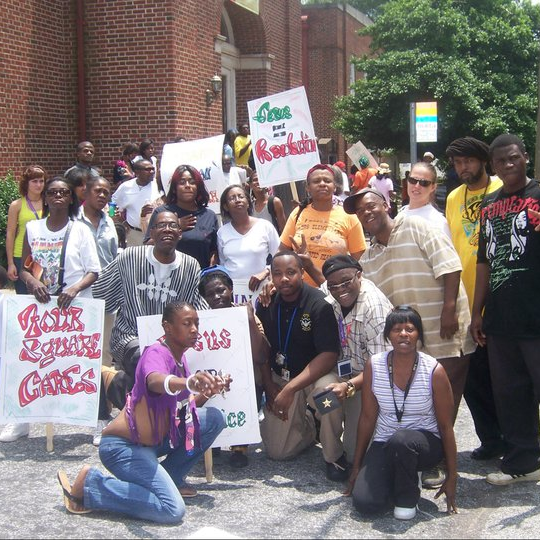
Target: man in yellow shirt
(242, 146)
(470, 157)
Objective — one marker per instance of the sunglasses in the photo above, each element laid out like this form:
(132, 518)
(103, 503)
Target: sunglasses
(341, 285)
(424, 183)
(56, 192)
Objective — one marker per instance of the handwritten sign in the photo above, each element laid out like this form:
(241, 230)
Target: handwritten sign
(203, 154)
(284, 144)
(358, 150)
(50, 368)
(223, 344)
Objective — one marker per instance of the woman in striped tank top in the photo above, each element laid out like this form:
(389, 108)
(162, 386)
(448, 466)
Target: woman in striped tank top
(407, 409)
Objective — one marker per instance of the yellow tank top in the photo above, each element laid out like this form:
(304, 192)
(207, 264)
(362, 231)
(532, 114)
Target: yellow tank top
(25, 215)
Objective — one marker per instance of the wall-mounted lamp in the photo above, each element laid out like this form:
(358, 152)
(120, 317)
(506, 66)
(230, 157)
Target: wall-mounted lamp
(211, 93)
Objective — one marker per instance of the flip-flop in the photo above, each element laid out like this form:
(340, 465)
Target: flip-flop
(68, 497)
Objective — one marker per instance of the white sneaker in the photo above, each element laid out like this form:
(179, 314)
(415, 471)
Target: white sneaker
(12, 432)
(97, 434)
(503, 479)
(404, 513)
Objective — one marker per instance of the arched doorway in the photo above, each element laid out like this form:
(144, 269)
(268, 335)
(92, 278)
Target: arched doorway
(230, 62)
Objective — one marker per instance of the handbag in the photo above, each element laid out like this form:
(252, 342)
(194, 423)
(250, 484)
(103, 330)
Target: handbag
(37, 270)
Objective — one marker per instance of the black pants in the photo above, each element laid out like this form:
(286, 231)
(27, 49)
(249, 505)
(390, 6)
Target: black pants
(479, 397)
(389, 473)
(515, 375)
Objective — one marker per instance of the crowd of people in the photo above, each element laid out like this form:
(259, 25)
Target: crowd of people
(364, 346)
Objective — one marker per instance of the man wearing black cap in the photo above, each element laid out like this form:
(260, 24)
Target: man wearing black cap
(414, 264)
(360, 309)
(470, 157)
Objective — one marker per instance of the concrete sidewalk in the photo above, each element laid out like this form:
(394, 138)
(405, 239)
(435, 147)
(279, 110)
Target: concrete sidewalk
(267, 499)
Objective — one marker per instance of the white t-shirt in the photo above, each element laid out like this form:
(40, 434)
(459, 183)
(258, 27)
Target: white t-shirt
(131, 197)
(81, 253)
(384, 186)
(244, 255)
(430, 214)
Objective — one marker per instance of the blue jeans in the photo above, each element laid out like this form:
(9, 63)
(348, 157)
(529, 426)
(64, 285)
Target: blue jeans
(143, 487)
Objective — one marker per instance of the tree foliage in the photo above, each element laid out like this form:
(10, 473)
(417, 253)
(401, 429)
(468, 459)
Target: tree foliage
(476, 58)
(369, 7)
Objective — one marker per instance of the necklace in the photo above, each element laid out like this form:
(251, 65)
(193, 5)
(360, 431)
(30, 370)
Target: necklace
(473, 217)
(163, 341)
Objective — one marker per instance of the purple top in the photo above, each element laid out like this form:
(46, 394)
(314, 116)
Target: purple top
(158, 358)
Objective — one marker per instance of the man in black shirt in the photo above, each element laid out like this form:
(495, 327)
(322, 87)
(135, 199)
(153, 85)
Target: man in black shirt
(303, 335)
(507, 291)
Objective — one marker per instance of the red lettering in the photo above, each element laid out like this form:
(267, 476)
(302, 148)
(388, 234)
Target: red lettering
(55, 320)
(291, 148)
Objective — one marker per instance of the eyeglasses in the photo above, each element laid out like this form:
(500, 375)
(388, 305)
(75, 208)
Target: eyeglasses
(166, 225)
(57, 192)
(343, 284)
(423, 183)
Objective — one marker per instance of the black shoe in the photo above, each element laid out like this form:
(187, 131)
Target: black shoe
(337, 471)
(433, 478)
(488, 451)
(238, 460)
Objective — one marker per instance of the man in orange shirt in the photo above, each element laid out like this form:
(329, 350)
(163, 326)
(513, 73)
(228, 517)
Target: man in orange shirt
(361, 178)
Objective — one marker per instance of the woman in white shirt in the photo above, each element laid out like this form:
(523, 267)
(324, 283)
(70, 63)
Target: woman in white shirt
(422, 183)
(245, 242)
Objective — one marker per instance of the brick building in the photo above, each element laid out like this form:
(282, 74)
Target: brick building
(329, 40)
(119, 71)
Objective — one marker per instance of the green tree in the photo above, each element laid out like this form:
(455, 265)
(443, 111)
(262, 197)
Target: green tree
(476, 58)
(9, 191)
(369, 7)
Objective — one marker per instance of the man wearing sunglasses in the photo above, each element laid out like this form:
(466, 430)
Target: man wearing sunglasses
(413, 263)
(360, 309)
(470, 157)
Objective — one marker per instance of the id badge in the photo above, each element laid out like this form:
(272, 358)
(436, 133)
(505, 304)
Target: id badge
(285, 374)
(280, 359)
(344, 368)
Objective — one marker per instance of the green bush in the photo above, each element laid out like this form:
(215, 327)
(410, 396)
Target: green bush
(9, 191)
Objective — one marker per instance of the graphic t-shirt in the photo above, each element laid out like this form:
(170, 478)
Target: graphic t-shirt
(510, 246)
(326, 233)
(462, 214)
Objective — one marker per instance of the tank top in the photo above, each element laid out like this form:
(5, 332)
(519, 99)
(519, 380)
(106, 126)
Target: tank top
(419, 411)
(25, 215)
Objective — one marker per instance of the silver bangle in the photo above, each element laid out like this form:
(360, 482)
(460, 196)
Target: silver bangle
(166, 386)
(194, 392)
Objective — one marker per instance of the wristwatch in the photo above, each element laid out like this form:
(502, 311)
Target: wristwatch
(351, 389)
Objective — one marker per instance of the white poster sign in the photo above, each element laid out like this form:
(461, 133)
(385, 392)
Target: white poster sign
(357, 150)
(223, 344)
(203, 154)
(283, 138)
(51, 360)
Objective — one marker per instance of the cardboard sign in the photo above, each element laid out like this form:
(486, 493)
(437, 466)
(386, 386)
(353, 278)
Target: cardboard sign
(223, 344)
(50, 368)
(283, 139)
(357, 150)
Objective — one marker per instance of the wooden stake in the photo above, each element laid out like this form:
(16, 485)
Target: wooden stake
(209, 465)
(49, 433)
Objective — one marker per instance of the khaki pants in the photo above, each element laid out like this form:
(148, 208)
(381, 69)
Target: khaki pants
(107, 329)
(285, 440)
(351, 412)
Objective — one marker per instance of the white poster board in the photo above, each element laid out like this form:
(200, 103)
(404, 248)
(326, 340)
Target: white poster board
(242, 292)
(203, 154)
(50, 368)
(283, 139)
(223, 344)
(357, 150)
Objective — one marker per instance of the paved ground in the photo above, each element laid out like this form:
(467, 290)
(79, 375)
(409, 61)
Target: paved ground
(265, 500)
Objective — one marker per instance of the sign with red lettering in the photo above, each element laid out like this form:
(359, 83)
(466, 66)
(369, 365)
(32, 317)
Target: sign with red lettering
(50, 360)
(284, 143)
(224, 344)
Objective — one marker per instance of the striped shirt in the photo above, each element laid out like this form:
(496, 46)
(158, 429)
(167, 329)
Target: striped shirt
(418, 409)
(361, 330)
(133, 286)
(410, 270)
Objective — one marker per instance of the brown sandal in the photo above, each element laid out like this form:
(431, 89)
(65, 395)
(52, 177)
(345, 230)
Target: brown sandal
(69, 499)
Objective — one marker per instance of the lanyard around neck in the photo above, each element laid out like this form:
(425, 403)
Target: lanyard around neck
(31, 206)
(283, 350)
(399, 412)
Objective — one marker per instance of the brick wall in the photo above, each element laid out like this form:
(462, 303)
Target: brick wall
(147, 66)
(331, 41)
(38, 109)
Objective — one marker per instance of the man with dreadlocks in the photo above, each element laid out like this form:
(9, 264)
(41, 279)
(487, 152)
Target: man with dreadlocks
(470, 158)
